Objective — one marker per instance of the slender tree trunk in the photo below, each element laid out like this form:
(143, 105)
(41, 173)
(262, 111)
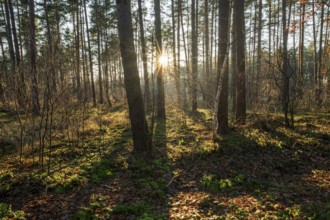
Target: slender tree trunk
(207, 84)
(144, 60)
(178, 70)
(320, 59)
(90, 55)
(141, 138)
(194, 59)
(234, 61)
(285, 67)
(240, 91)
(212, 48)
(13, 25)
(224, 9)
(77, 43)
(99, 51)
(159, 50)
(269, 36)
(10, 38)
(259, 50)
(106, 75)
(187, 78)
(33, 64)
(176, 78)
(50, 48)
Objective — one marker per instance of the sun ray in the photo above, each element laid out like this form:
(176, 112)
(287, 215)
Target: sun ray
(163, 60)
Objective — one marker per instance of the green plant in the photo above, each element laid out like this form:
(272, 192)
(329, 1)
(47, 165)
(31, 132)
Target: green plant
(84, 214)
(209, 182)
(101, 172)
(7, 213)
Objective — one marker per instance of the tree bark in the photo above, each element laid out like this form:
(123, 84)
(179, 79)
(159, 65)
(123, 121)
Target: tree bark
(194, 59)
(144, 60)
(259, 50)
(301, 48)
(159, 50)
(141, 138)
(90, 56)
(97, 8)
(33, 64)
(208, 86)
(240, 50)
(285, 67)
(10, 38)
(223, 75)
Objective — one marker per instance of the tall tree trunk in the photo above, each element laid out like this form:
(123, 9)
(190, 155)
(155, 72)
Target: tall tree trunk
(90, 55)
(141, 138)
(194, 54)
(320, 59)
(259, 51)
(208, 91)
(13, 25)
(301, 47)
(99, 51)
(50, 48)
(240, 91)
(186, 95)
(178, 70)
(144, 60)
(58, 46)
(176, 78)
(106, 76)
(234, 61)
(77, 43)
(159, 50)
(33, 64)
(224, 9)
(285, 67)
(10, 38)
(269, 36)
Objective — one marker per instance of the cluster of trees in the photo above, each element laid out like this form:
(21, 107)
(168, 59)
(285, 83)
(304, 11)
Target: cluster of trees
(229, 55)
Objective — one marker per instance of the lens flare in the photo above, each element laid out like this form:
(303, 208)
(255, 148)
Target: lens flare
(163, 60)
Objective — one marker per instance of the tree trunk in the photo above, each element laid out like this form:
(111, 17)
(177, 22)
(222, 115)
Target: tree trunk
(141, 138)
(285, 67)
(224, 9)
(240, 50)
(10, 38)
(33, 64)
(301, 48)
(50, 54)
(194, 59)
(13, 25)
(234, 62)
(90, 55)
(99, 51)
(207, 84)
(144, 60)
(178, 70)
(320, 76)
(176, 77)
(159, 50)
(259, 51)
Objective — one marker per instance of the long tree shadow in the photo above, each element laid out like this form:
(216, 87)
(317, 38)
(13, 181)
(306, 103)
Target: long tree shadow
(97, 183)
(244, 179)
(149, 177)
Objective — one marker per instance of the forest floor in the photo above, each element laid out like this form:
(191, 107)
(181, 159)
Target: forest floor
(261, 170)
